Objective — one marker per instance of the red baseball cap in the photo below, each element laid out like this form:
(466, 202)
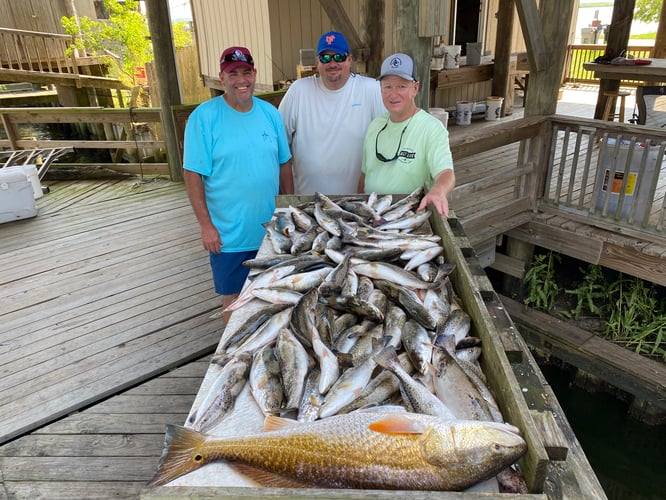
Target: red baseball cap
(235, 57)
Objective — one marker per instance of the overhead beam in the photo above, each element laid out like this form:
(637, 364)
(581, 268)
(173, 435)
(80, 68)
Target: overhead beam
(533, 33)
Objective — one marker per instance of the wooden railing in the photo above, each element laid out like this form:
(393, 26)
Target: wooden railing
(124, 132)
(35, 57)
(579, 54)
(36, 51)
(571, 166)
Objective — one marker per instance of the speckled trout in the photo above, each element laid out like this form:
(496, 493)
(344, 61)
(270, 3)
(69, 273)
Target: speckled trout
(364, 449)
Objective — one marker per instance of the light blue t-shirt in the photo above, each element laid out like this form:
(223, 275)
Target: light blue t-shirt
(238, 156)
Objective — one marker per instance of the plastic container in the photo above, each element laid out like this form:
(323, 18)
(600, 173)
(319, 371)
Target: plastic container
(33, 176)
(464, 112)
(493, 107)
(637, 188)
(473, 53)
(451, 56)
(17, 200)
(441, 114)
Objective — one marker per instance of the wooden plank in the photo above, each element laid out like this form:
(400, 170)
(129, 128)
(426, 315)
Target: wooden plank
(636, 263)
(551, 435)
(620, 367)
(509, 265)
(464, 75)
(558, 240)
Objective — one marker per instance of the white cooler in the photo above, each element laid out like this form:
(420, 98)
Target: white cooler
(17, 195)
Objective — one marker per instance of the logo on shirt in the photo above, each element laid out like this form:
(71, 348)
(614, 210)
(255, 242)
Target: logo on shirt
(265, 136)
(406, 155)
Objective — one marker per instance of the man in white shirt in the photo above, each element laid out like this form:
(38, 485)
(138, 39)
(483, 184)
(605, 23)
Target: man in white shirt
(326, 117)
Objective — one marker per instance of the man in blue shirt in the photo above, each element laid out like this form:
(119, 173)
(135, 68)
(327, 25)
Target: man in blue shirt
(236, 160)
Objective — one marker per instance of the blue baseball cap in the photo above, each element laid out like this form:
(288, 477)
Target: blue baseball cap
(333, 41)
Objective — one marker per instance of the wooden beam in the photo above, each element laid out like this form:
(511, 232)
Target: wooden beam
(407, 40)
(532, 31)
(558, 240)
(502, 75)
(660, 40)
(159, 22)
(340, 20)
(371, 32)
(555, 19)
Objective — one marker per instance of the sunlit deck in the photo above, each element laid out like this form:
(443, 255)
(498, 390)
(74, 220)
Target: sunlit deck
(106, 325)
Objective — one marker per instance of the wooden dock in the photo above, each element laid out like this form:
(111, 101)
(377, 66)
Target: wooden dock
(107, 288)
(105, 328)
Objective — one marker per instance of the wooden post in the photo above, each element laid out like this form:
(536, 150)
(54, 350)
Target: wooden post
(502, 76)
(660, 41)
(159, 23)
(544, 86)
(616, 42)
(545, 83)
(371, 32)
(407, 40)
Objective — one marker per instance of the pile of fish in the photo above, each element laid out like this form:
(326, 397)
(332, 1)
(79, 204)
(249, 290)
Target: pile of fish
(349, 316)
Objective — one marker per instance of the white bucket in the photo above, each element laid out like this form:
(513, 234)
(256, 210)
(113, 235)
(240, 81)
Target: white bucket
(493, 107)
(464, 112)
(441, 114)
(474, 53)
(451, 56)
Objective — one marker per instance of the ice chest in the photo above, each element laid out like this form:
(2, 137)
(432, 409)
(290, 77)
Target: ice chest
(17, 199)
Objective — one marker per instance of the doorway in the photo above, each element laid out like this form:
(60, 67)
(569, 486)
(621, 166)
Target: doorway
(467, 18)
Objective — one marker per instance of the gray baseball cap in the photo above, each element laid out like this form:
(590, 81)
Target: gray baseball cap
(399, 65)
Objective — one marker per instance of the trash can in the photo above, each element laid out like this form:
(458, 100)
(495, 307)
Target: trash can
(608, 191)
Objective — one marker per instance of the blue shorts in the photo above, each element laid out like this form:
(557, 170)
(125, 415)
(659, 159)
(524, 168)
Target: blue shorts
(229, 273)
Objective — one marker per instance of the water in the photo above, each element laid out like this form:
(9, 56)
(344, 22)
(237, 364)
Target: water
(628, 457)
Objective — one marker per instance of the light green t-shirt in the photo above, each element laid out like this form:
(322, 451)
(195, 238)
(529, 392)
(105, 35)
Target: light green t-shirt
(422, 153)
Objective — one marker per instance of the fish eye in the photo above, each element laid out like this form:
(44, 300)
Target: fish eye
(198, 458)
(497, 447)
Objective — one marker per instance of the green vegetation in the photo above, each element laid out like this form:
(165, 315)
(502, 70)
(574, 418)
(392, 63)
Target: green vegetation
(629, 309)
(540, 281)
(122, 41)
(647, 11)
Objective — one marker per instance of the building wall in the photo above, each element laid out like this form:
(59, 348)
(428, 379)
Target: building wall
(276, 30)
(39, 15)
(223, 23)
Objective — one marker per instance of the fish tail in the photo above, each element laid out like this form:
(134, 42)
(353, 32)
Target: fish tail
(387, 358)
(183, 452)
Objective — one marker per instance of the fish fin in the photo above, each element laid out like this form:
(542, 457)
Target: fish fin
(386, 358)
(397, 424)
(273, 423)
(183, 452)
(267, 479)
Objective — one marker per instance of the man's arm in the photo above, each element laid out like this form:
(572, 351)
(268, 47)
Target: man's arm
(195, 191)
(286, 178)
(441, 189)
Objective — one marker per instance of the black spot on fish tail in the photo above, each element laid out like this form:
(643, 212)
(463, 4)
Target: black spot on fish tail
(183, 452)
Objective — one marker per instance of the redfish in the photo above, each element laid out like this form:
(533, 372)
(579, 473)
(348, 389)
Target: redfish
(364, 449)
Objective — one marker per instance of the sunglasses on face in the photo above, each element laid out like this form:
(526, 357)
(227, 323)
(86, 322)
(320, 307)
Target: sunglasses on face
(338, 58)
(238, 57)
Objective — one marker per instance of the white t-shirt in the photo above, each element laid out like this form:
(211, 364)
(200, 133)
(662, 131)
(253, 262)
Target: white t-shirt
(325, 129)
